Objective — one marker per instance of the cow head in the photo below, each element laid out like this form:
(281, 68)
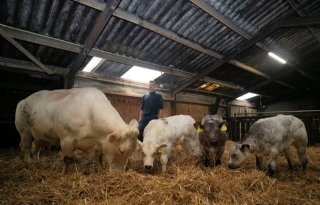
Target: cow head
(150, 151)
(212, 130)
(239, 153)
(120, 145)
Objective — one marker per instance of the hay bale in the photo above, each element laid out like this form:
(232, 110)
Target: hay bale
(186, 182)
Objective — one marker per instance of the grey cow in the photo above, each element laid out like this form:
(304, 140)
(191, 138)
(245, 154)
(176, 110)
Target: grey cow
(212, 135)
(272, 136)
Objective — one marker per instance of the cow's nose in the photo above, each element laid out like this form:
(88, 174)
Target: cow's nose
(231, 167)
(148, 167)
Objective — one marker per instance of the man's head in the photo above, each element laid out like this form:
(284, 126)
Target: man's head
(152, 85)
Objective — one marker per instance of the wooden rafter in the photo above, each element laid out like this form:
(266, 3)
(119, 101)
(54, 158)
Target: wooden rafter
(214, 13)
(28, 66)
(76, 48)
(301, 13)
(168, 34)
(98, 27)
(9, 38)
(263, 33)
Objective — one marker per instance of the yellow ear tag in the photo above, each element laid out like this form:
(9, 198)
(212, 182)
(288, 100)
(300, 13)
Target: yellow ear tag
(199, 129)
(223, 128)
(246, 149)
(161, 150)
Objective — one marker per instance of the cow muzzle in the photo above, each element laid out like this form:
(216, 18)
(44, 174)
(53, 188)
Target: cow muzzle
(232, 166)
(147, 167)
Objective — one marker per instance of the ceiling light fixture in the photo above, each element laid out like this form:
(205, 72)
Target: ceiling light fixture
(247, 96)
(281, 60)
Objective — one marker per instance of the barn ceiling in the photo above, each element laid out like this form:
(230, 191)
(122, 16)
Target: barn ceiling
(192, 42)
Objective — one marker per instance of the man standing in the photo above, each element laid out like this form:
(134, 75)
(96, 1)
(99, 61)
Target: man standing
(151, 108)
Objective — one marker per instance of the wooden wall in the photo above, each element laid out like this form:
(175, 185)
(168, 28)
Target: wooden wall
(129, 108)
(197, 111)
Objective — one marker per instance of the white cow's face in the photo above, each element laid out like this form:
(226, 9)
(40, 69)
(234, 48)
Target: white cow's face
(238, 153)
(120, 147)
(149, 152)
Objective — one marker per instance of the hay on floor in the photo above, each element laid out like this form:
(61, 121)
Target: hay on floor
(186, 182)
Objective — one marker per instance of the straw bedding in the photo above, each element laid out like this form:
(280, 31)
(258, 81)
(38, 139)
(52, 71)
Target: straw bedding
(186, 182)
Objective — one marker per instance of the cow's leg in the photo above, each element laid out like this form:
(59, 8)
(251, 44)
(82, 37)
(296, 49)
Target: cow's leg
(219, 152)
(36, 148)
(164, 159)
(272, 161)
(26, 144)
(98, 156)
(186, 147)
(206, 157)
(301, 150)
(67, 152)
(259, 161)
(288, 157)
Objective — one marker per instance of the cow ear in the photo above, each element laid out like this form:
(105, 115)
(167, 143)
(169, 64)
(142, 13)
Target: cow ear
(245, 148)
(198, 127)
(133, 123)
(113, 137)
(161, 148)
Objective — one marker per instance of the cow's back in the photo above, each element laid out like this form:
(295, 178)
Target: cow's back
(52, 114)
(280, 128)
(173, 129)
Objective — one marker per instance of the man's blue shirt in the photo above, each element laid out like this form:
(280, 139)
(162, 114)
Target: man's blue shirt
(151, 103)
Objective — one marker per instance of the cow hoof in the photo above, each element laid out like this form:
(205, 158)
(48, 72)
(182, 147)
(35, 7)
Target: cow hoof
(270, 171)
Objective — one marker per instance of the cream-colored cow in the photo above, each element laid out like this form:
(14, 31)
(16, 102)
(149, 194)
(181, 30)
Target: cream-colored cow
(162, 134)
(78, 118)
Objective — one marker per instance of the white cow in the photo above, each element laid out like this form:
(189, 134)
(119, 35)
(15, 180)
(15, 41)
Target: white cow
(78, 118)
(162, 134)
(272, 136)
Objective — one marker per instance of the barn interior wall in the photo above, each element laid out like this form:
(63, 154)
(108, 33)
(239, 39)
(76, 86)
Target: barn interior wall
(195, 110)
(129, 108)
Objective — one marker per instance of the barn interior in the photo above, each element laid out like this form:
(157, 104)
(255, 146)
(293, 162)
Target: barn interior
(208, 53)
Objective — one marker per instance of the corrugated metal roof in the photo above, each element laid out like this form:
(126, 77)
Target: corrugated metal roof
(71, 21)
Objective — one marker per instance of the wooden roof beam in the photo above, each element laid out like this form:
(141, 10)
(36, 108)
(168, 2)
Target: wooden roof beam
(211, 11)
(301, 13)
(29, 66)
(263, 33)
(9, 38)
(168, 34)
(76, 48)
(98, 27)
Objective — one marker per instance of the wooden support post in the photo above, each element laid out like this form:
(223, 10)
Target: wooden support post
(214, 107)
(174, 104)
